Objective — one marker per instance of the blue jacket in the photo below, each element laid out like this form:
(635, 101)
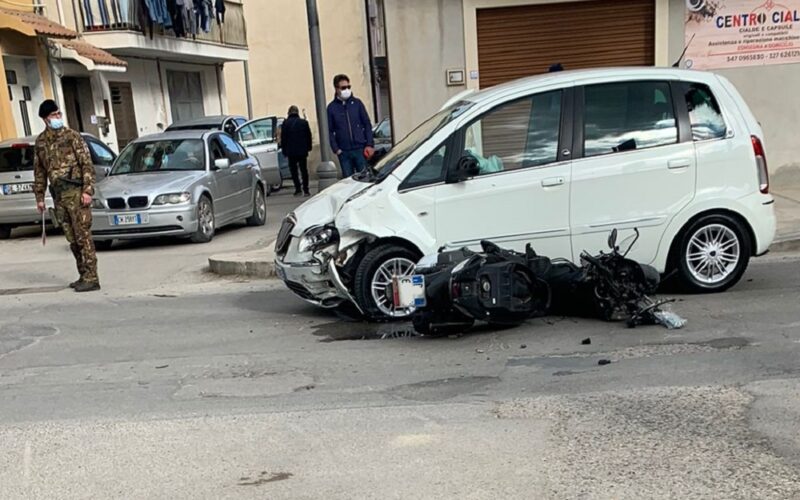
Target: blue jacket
(349, 125)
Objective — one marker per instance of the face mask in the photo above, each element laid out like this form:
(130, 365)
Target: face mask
(149, 162)
(346, 94)
(56, 123)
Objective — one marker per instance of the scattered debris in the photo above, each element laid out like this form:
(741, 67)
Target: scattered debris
(479, 351)
(603, 362)
(304, 388)
(586, 341)
(264, 477)
(523, 346)
(160, 367)
(164, 295)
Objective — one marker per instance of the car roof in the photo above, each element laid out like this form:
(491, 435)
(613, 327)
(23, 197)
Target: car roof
(571, 77)
(205, 122)
(173, 135)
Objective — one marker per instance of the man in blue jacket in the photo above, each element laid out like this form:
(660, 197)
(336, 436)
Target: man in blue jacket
(349, 127)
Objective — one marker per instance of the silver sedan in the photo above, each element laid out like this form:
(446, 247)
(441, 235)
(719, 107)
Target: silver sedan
(185, 183)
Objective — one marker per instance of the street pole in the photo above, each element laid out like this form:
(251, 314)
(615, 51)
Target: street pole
(319, 79)
(327, 173)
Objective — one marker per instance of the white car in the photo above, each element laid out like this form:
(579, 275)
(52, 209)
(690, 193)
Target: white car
(558, 161)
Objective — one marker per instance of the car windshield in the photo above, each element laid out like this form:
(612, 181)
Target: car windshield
(412, 141)
(161, 156)
(16, 158)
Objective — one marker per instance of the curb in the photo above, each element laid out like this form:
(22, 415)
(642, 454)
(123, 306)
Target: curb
(256, 264)
(788, 243)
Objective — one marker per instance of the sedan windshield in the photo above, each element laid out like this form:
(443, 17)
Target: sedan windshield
(413, 140)
(161, 156)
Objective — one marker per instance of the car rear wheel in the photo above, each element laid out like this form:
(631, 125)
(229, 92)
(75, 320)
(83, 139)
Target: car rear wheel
(103, 245)
(5, 231)
(373, 281)
(259, 217)
(206, 224)
(714, 254)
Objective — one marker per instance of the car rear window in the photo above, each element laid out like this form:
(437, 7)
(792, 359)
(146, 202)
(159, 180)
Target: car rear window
(16, 158)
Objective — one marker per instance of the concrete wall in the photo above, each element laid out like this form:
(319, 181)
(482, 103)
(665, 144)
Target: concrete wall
(770, 91)
(280, 59)
(424, 38)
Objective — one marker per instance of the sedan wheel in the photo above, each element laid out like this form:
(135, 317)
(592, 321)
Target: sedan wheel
(206, 225)
(259, 217)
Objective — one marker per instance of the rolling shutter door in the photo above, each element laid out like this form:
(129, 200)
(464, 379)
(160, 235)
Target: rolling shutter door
(515, 42)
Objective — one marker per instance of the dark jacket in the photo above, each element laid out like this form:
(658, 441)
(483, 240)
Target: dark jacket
(295, 137)
(349, 125)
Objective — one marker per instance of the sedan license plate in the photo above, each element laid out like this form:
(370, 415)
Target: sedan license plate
(129, 219)
(410, 291)
(24, 187)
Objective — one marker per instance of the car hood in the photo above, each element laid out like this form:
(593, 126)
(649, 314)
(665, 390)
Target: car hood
(322, 208)
(149, 184)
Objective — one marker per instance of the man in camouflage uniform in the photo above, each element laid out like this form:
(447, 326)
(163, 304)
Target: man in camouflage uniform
(62, 159)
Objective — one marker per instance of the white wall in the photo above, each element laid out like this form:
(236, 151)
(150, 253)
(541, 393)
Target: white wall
(424, 38)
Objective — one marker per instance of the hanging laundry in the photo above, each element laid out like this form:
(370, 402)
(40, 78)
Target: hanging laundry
(220, 8)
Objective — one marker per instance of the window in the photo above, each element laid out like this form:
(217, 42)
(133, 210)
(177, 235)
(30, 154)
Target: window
(429, 170)
(519, 134)
(258, 133)
(160, 156)
(232, 150)
(101, 155)
(704, 113)
(627, 116)
(216, 149)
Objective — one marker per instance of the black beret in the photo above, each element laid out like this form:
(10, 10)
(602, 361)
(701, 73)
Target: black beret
(47, 108)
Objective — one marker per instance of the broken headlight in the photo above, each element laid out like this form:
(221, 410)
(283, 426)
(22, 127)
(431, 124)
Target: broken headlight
(318, 237)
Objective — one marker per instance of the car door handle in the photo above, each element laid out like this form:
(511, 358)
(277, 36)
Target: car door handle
(553, 181)
(680, 163)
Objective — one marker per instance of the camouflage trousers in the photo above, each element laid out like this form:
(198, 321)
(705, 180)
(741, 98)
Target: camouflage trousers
(76, 221)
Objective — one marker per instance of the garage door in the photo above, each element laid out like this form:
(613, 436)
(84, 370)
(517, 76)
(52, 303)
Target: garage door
(514, 42)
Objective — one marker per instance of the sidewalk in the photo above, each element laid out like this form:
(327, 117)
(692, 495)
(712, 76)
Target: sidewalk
(785, 188)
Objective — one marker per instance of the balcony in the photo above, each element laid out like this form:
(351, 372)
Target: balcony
(148, 28)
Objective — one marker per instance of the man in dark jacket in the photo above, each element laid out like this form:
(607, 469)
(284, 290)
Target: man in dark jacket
(295, 140)
(350, 128)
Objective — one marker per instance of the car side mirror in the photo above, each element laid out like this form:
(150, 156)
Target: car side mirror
(222, 164)
(466, 167)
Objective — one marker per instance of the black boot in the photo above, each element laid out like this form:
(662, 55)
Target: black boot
(87, 287)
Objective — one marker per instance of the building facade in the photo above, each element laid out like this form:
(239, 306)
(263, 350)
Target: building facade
(123, 68)
(280, 62)
(437, 49)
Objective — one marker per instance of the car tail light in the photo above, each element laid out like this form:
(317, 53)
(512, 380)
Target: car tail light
(21, 145)
(761, 165)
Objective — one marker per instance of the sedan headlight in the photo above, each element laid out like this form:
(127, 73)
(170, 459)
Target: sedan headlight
(172, 198)
(318, 237)
(97, 204)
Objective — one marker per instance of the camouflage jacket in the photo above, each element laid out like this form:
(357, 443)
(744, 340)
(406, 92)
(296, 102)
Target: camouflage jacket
(61, 153)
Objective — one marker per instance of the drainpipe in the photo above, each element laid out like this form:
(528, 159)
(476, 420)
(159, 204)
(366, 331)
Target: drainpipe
(247, 90)
(218, 68)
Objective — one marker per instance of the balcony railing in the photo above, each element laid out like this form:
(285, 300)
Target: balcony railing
(154, 18)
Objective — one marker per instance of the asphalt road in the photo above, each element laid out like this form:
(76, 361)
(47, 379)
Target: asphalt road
(227, 389)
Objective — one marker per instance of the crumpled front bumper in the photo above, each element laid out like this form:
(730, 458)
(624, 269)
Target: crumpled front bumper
(312, 277)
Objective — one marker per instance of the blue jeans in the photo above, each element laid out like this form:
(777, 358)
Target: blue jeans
(352, 161)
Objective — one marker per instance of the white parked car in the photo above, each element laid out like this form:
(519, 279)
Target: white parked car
(557, 160)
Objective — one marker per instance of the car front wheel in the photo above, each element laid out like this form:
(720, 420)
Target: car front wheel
(373, 286)
(206, 225)
(714, 254)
